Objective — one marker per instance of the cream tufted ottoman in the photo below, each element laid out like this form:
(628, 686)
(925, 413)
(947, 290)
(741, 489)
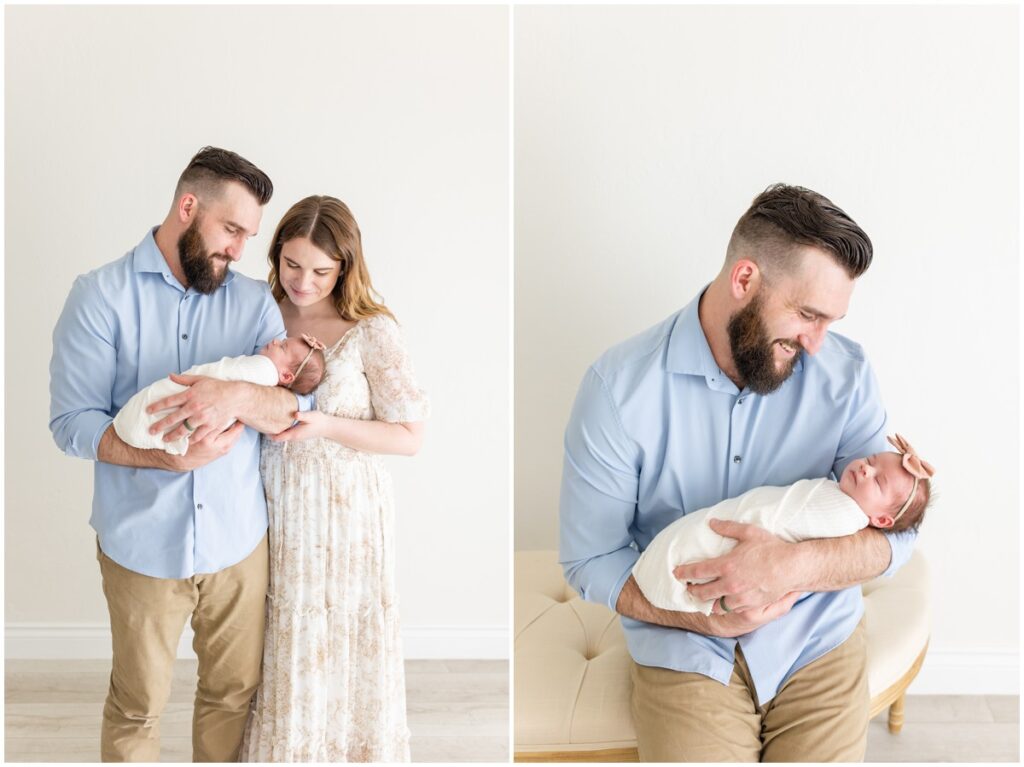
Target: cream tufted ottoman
(572, 682)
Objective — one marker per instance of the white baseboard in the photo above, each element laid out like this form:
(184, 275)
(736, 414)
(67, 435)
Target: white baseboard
(441, 642)
(53, 641)
(943, 672)
(968, 673)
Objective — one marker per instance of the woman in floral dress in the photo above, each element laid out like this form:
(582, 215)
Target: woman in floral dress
(333, 686)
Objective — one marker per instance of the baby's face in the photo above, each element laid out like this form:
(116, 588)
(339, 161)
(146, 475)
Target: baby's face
(286, 354)
(879, 484)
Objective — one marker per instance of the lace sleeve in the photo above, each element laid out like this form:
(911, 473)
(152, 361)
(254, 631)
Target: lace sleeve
(393, 391)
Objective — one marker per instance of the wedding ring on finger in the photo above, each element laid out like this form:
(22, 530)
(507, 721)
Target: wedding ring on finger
(189, 426)
(723, 605)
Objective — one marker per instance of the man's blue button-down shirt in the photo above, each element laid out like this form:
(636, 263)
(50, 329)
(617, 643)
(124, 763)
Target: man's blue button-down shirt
(124, 326)
(658, 431)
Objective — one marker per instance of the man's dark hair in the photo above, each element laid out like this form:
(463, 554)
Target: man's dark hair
(211, 167)
(784, 216)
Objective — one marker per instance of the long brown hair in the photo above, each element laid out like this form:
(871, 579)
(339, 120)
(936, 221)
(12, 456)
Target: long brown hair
(330, 226)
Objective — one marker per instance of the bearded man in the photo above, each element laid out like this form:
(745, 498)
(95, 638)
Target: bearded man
(743, 387)
(177, 536)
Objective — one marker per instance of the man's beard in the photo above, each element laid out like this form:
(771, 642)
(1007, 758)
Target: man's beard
(753, 352)
(196, 261)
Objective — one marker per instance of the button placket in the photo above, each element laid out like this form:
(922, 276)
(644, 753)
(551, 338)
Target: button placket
(737, 432)
(184, 352)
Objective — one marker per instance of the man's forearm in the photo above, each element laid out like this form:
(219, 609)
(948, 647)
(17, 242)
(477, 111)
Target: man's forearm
(831, 564)
(633, 604)
(112, 449)
(267, 409)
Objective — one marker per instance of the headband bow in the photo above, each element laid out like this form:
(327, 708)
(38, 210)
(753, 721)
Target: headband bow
(912, 462)
(313, 343)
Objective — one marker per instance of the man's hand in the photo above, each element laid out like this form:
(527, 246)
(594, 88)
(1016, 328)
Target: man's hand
(762, 568)
(112, 449)
(633, 604)
(207, 404)
(759, 572)
(206, 450)
(734, 624)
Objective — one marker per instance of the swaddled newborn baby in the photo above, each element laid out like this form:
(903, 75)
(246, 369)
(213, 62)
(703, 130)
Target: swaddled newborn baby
(885, 490)
(297, 363)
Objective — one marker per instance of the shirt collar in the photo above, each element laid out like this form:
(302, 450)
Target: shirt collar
(688, 350)
(690, 353)
(148, 258)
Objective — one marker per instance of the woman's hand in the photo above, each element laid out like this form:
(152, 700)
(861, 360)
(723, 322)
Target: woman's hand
(311, 424)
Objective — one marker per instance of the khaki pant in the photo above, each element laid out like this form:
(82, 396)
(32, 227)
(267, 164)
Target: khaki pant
(819, 715)
(147, 616)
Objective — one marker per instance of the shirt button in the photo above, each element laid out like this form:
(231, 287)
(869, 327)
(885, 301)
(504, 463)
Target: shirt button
(199, 506)
(735, 459)
(741, 402)
(184, 336)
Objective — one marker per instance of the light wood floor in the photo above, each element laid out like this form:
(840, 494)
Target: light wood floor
(458, 711)
(950, 728)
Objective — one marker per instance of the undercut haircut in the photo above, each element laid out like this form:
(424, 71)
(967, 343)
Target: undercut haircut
(207, 172)
(784, 217)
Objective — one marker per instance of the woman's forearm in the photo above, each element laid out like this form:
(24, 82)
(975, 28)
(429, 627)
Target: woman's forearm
(376, 436)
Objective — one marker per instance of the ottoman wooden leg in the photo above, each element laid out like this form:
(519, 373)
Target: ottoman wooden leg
(896, 714)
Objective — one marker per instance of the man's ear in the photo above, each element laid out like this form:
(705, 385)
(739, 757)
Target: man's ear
(744, 278)
(287, 377)
(187, 208)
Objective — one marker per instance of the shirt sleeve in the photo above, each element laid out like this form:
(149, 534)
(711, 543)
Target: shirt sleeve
(395, 396)
(600, 479)
(82, 371)
(864, 435)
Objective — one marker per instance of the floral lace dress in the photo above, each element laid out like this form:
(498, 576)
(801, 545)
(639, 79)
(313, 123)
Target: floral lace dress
(333, 686)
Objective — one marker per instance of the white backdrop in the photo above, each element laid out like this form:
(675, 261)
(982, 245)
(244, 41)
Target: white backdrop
(402, 113)
(641, 136)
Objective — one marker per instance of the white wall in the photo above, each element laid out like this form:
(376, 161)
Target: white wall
(641, 136)
(400, 111)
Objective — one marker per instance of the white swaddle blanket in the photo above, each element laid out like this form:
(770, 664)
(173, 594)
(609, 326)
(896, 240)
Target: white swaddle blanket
(132, 422)
(810, 508)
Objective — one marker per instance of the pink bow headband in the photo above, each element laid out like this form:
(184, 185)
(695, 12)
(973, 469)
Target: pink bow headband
(314, 344)
(912, 462)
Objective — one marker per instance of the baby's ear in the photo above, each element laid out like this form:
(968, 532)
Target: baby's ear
(287, 377)
(884, 521)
